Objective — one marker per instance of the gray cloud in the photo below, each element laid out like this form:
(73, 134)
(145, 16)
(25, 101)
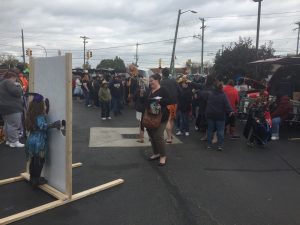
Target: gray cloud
(58, 25)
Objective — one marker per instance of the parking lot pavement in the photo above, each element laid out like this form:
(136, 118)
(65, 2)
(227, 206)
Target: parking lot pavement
(237, 186)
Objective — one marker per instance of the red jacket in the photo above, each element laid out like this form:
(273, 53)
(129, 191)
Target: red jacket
(283, 109)
(232, 95)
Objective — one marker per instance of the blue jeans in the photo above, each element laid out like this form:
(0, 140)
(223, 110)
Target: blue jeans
(184, 121)
(116, 104)
(86, 98)
(275, 126)
(218, 125)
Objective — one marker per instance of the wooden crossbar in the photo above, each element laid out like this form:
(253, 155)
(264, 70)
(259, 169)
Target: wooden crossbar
(54, 204)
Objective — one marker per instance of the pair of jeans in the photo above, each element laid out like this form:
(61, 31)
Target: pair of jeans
(218, 125)
(86, 98)
(275, 126)
(184, 121)
(105, 109)
(116, 104)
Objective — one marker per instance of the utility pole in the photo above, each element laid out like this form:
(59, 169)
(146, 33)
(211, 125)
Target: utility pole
(136, 54)
(258, 25)
(297, 50)
(202, 46)
(174, 45)
(23, 50)
(84, 43)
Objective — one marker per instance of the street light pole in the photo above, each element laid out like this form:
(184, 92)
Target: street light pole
(297, 50)
(202, 46)
(43, 48)
(172, 71)
(258, 25)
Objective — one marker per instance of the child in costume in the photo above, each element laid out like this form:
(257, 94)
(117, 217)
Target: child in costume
(36, 145)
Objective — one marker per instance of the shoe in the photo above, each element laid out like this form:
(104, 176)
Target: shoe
(196, 128)
(109, 118)
(140, 141)
(203, 139)
(250, 144)
(178, 133)
(187, 134)
(7, 143)
(153, 157)
(103, 118)
(42, 181)
(168, 142)
(209, 147)
(234, 137)
(274, 138)
(162, 164)
(89, 105)
(220, 148)
(16, 144)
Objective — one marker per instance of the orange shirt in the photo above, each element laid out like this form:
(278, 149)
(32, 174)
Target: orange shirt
(24, 82)
(232, 95)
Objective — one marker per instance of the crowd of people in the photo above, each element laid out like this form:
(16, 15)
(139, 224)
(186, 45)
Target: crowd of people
(211, 105)
(162, 104)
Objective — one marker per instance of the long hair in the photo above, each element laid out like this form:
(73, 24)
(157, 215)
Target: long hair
(35, 109)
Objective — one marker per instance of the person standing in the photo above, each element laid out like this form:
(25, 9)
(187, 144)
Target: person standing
(281, 113)
(105, 99)
(172, 87)
(233, 96)
(11, 107)
(116, 89)
(85, 88)
(139, 99)
(216, 109)
(158, 99)
(184, 106)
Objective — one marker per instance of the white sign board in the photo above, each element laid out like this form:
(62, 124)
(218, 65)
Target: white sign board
(51, 77)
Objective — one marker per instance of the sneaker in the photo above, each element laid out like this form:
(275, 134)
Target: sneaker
(274, 138)
(234, 137)
(103, 118)
(178, 133)
(187, 134)
(196, 128)
(109, 118)
(209, 147)
(89, 105)
(16, 144)
(250, 144)
(7, 143)
(220, 148)
(203, 138)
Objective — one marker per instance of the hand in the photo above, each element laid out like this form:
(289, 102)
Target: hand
(57, 124)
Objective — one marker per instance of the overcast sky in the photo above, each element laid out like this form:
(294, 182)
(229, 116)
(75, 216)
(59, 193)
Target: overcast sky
(114, 27)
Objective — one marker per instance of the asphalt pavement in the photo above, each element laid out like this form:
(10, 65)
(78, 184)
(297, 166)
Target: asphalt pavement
(239, 186)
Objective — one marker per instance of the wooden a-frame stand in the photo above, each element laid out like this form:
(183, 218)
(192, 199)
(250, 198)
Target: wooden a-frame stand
(62, 198)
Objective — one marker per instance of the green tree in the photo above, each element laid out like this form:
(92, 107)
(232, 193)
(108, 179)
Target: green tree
(8, 61)
(234, 60)
(117, 64)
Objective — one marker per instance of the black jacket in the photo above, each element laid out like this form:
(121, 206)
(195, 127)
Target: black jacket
(217, 106)
(116, 88)
(185, 99)
(173, 89)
